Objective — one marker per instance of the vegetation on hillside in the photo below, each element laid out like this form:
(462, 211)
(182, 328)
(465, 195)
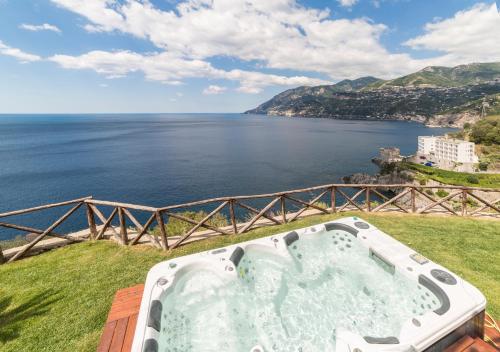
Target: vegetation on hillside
(486, 131)
(492, 107)
(440, 76)
(59, 301)
(486, 134)
(424, 173)
(422, 96)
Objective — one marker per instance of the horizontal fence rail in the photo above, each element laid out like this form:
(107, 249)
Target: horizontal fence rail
(131, 224)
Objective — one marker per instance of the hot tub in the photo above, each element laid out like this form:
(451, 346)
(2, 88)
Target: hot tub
(341, 286)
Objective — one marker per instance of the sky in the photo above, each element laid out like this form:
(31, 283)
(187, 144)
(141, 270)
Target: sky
(126, 56)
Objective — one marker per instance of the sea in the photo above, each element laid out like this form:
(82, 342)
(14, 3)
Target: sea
(165, 159)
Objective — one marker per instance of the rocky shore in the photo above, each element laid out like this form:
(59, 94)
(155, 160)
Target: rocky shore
(390, 173)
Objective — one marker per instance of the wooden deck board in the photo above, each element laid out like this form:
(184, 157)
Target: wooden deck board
(461, 344)
(119, 335)
(106, 337)
(119, 330)
(129, 335)
(479, 346)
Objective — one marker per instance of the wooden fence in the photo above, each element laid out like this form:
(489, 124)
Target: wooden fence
(247, 212)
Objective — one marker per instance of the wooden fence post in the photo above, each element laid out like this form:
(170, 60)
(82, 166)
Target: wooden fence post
(2, 258)
(464, 202)
(161, 225)
(123, 226)
(91, 222)
(283, 210)
(233, 217)
(333, 200)
(368, 202)
(413, 204)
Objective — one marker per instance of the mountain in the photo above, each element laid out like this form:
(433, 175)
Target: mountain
(438, 76)
(435, 95)
(348, 85)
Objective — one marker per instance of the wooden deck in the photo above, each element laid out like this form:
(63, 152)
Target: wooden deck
(120, 327)
(122, 319)
(468, 344)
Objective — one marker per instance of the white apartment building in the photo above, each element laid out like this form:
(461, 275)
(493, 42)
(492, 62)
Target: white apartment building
(443, 148)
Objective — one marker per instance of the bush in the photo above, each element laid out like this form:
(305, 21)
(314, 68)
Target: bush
(321, 205)
(18, 241)
(472, 179)
(422, 182)
(429, 192)
(471, 202)
(486, 131)
(483, 166)
(176, 227)
(387, 168)
(441, 193)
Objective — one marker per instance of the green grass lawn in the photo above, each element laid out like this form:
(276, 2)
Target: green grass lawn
(59, 301)
(455, 178)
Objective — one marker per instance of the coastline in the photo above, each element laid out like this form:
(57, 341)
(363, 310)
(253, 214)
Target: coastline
(405, 118)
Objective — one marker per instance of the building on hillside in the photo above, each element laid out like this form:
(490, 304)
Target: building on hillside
(390, 154)
(448, 149)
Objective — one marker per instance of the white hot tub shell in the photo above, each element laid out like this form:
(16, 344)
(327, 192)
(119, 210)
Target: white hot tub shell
(460, 311)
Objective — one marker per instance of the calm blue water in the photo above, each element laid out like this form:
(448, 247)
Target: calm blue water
(162, 159)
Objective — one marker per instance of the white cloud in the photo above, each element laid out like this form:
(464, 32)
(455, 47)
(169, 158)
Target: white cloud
(279, 34)
(170, 69)
(17, 53)
(213, 89)
(41, 27)
(100, 12)
(470, 35)
(347, 3)
(274, 34)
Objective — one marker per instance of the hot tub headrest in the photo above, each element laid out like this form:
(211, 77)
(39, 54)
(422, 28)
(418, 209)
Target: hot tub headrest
(343, 227)
(291, 237)
(154, 318)
(151, 345)
(438, 292)
(389, 340)
(237, 255)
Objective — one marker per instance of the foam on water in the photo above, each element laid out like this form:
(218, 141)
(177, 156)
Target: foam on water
(291, 304)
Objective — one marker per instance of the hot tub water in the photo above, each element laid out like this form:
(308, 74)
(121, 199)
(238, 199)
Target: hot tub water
(298, 302)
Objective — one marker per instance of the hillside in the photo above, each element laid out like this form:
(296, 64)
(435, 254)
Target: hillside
(438, 76)
(486, 134)
(438, 96)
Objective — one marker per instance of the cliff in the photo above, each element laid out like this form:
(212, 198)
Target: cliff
(437, 96)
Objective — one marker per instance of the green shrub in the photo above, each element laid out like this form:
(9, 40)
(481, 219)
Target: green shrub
(18, 241)
(321, 204)
(441, 193)
(483, 166)
(486, 131)
(429, 192)
(422, 182)
(387, 168)
(176, 227)
(471, 202)
(472, 179)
